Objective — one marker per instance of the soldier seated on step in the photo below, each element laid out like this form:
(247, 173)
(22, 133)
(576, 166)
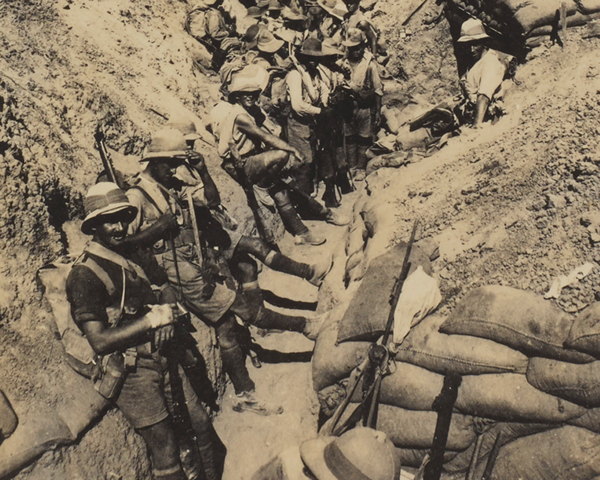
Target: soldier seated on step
(240, 249)
(252, 155)
(191, 250)
(118, 314)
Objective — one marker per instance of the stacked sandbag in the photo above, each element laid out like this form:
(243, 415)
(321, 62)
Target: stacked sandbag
(521, 320)
(504, 397)
(564, 453)
(438, 352)
(525, 365)
(525, 19)
(584, 335)
(579, 384)
(366, 316)
(40, 431)
(332, 362)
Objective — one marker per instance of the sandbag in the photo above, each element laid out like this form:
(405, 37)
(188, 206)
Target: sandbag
(509, 397)
(366, 316)
(575, 21)
(579, 384)
(535, 13)
(564, 453)
(519, 319)
(36, 434)
(415, 429)
(504, 397)
(509, 431)
(409, 387)
(588, 6)
(81, 404)
(590, 420)
(413, 457)
(585, 331)
(8, 418)
(332, 362)
(426, 347)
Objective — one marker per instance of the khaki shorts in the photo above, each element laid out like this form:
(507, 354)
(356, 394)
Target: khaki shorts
(146, 398)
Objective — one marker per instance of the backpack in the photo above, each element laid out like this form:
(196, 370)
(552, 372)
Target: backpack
(196, 23)
(53, 278)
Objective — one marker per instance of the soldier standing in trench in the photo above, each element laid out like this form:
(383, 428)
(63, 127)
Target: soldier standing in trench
(113, 304)
(254, 156)
(361, 124)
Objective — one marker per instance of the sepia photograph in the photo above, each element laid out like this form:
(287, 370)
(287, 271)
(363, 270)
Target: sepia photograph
(299, 240)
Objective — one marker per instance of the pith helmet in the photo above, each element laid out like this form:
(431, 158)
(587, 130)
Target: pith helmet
(471, 30)
(334, 8)
(184, 125)
(313, 47)
(256, 12)
(102, 199)
(267, 42)
(359, 454)
(252, 78)
(354, 38)
(166, 143)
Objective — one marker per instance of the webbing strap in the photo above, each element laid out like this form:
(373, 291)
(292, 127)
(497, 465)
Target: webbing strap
(108, 283)
(101, 274)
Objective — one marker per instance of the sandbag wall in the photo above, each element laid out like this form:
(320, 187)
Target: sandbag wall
(518, 20)
(529, 373)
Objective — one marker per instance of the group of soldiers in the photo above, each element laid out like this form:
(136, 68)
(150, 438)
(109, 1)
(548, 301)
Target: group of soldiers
(296, 111)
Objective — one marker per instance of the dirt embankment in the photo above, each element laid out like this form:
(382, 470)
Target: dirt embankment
(513, 203)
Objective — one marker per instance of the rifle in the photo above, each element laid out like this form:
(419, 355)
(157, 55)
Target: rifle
(376, 365)
(107, 162)
(182, 423)
(443, 404)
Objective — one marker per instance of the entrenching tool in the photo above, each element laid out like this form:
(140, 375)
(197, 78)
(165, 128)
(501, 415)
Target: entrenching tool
(375, 366)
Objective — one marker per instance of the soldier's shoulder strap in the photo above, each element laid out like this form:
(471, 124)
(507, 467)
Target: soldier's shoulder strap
(98, 271)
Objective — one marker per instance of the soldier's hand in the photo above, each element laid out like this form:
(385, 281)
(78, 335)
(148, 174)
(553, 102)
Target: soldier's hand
(297, 154)
(168, 221)
(162, 335)
(160, 316)
(196, 159)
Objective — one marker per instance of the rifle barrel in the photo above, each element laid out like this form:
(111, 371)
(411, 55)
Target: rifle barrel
(399, 283)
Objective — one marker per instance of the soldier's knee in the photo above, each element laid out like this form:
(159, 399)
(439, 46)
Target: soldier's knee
(226, 332)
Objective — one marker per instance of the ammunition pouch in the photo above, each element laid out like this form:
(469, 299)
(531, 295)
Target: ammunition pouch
(365, 99)
(113, 372)
(79, 354)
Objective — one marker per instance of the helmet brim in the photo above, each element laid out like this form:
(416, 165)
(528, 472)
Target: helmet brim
(472, 38)
(93, 218)
(313, 456)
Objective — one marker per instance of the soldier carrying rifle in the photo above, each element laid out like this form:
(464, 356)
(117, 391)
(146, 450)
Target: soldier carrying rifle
(126, 328)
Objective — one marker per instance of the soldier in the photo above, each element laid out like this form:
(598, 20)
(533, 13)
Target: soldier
(213, 31)
(309, 86)
(114, 306)
(242, 266)
(367, 89)
(359, 454)
(254, 156)
(482, 83)
(194, 261)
